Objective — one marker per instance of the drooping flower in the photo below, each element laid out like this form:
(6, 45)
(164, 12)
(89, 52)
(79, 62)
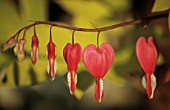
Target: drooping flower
(98, 61)
(147, 56)
(72, 55)
(21, 53)
(16, 48)
(34, 48)
(52, 65)
(10, 43)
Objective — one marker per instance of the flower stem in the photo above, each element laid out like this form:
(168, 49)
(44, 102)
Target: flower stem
(51, 33)
(24, 33)
(73, 37)
(34, 30)
(98, 39)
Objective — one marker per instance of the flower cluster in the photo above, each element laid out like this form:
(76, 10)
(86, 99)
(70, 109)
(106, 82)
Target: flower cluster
(97, 60)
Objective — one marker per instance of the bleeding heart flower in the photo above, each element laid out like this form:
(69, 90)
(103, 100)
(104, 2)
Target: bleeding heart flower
(16, 48)
(72, 55)
(10, 43)
(21, 53)
(52, 66)
(98, 61)
(147, 56)
(34, 47)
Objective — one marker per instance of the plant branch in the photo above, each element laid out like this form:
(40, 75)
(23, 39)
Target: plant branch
(147, 20)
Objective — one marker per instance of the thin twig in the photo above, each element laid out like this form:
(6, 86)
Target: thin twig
(147, 19)
(98, 39)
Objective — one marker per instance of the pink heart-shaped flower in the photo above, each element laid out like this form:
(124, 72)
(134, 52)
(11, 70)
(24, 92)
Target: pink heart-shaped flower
(98, 61)
(147, 56)
(72, 55)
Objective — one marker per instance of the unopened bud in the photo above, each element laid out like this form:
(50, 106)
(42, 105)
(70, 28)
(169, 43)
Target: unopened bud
(10, 43)
(21, 53)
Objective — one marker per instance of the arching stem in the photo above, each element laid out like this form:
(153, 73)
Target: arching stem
(148, 19)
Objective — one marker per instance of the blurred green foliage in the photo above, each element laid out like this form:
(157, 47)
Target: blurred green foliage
(160, 5)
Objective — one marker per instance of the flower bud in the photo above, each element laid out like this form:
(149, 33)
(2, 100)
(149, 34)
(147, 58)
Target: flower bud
(34, 49)
(16, 48)
(52, 65)
(21, 53)
(10, 43)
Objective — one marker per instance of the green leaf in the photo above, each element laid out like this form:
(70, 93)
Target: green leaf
(78, 93)
(33, 9)
(161, 5)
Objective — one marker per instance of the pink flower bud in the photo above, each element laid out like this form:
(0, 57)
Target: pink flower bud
(16, 48)
(34, 49)
(21, 53)
(51, 68)
(10, 43)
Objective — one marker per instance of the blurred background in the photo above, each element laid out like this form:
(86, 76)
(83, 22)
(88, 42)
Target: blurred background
(24, 86)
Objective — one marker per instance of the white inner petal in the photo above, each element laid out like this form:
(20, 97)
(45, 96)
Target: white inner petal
(101, 89)
(37, 54)
(12, 44)
(75, 78)
(153, 83)
(20, 48)
(69, 79)
(144, 82)
(55, 66)
(48, 67)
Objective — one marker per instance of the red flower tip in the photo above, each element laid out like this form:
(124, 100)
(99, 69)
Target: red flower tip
(72, 81)
(34, 49)
(98, 61)
(147, 56)
(72, 55)
(52, 66)
(10, 43)
(21, 53)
